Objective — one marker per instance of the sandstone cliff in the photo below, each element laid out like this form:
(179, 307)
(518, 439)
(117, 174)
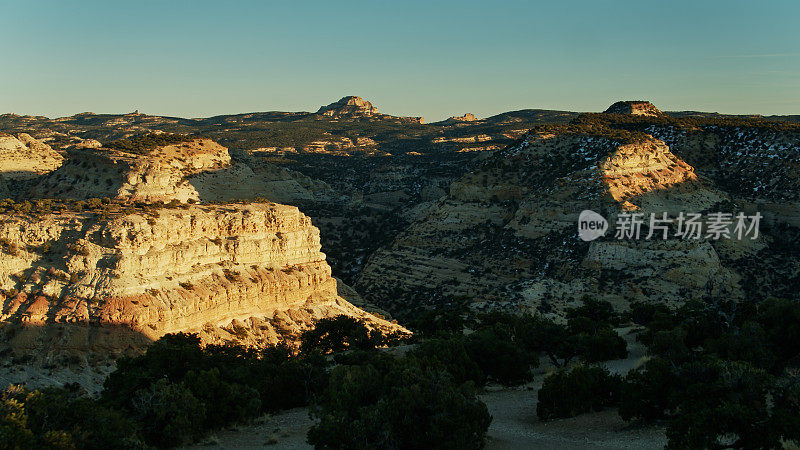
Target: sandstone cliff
(196, 170)
(353, 107)
(758, 166)
(468, 117)
(349, 106)
(506, 235)
(248, 273)
(157, 175)
(635, 108)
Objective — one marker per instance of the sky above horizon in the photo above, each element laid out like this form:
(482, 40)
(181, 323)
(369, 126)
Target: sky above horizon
(411, 58)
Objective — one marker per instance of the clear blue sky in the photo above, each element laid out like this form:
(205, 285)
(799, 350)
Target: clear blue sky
(436, 59)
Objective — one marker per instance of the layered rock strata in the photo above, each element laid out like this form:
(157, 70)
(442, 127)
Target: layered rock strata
(506, 235)
(245, 273)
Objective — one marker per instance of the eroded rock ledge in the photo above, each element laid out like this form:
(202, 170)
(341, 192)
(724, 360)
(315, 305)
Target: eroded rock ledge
(250, 273)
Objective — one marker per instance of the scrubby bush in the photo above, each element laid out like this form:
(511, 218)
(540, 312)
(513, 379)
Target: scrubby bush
(568, 393)
(143, 144)
(444, 321)
(538, 334)
(599, 312)
(651, 392)
(285, 381)
(451, 356)
(780, 320)
(227, 402)
(171, 414)
(587, 335)
(499, 358)
(403, 407)
(719, 374)
(603, 345)
(58, 418)
(734, 405)
(215, 385)
(340, 333)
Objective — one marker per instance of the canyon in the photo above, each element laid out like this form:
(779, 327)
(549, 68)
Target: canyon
(132, 244)
(467, 211)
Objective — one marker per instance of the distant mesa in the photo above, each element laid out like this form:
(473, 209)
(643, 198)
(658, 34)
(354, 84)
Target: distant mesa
(634, 108)
(349, 106)
(353, 107)
(468, 117)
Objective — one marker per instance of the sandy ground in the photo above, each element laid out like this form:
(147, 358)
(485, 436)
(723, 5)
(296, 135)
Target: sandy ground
(286, 430)
(35, 376)
(516, 426)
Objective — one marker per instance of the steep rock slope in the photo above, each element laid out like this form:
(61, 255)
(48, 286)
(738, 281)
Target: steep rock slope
(349, 106)
(635, 108)
(506, 235)
(23, 157)
(160, 174)
(249, 273)
(759, 166)
(197, 169)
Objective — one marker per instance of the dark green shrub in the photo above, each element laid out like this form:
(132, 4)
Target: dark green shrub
(433, 322)
(651, 392)
(499, 358)
(225, 402)
(537, 334)
(733, 405)
(451, 356)
(746, 343)
(170, 414)
(57, 418)
(405, 407)
(171, 357)
(780, 320)
(290, 383)
(230, 383)
(340, 333)
(599, 312)
(580, 390)
(604, 345)
(646, 314)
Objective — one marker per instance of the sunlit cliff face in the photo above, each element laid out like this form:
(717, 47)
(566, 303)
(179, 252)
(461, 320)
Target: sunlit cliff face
(637, 169)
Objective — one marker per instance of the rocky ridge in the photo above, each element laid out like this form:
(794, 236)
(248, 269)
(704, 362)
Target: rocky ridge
(249, 273)
(634, 107)
(23, 157)
(353, 107)
(468, 117)
(195, 170)
(349, 106)
(505, 236)
(90, 279)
